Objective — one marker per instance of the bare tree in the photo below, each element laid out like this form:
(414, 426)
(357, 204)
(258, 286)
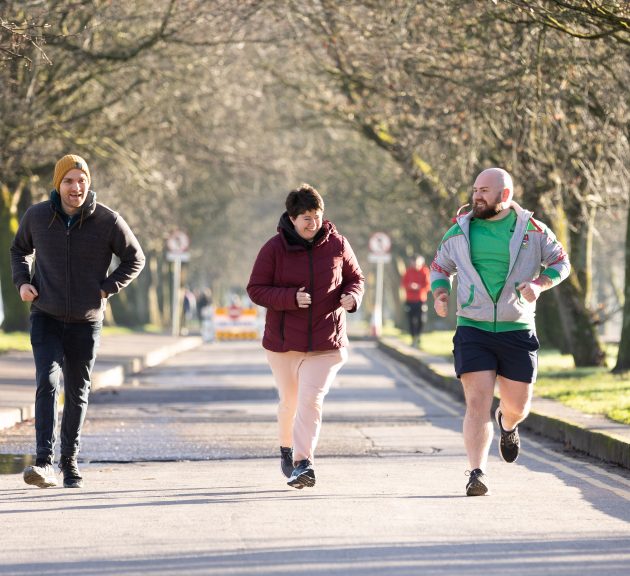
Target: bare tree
(449, 88)
(76, 86)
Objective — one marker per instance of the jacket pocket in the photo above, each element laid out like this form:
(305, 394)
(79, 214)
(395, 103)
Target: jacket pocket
(282, 326)
(471, 297)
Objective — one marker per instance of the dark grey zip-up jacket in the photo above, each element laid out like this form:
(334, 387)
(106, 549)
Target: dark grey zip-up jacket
(71, 260)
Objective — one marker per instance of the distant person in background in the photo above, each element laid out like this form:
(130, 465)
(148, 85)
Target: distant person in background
(73, 239)
(204, 299)
(189, 306)
(416, 284)
(308, 278)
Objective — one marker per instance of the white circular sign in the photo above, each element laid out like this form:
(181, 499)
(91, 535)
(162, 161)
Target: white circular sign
(178, 242)
(380, 243)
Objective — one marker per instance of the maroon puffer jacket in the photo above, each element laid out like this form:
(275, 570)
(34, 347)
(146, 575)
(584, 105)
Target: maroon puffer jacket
(327, 268)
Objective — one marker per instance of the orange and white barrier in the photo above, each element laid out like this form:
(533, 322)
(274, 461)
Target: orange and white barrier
(232, 323)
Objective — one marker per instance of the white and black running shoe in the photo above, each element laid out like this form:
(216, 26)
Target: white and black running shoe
(303, 475)
(477, 483)
(42, 474)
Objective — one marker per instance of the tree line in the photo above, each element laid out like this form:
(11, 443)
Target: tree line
(193, 111)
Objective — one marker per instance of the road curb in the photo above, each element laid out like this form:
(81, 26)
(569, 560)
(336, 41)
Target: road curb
(591, 440)
(110, 370)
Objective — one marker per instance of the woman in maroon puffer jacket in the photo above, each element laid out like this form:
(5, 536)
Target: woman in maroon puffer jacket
(307, 277)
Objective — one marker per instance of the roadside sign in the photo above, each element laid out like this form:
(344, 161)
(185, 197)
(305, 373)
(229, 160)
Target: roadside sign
(177, 245)
(376, 258)
(179, 256)
(178, 242)
(380, 243)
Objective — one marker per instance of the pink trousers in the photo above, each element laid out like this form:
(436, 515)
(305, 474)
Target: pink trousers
(303, 379)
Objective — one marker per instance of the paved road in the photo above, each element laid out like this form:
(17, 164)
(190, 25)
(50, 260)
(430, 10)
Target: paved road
(183, 478)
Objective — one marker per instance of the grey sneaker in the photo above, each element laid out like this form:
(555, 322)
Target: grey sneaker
(286, 461)
(303, 475)
(509, 442)
(477, 483)
(71, 475)
(42, 474)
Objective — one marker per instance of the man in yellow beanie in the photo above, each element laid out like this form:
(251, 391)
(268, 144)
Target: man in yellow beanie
(73, 238)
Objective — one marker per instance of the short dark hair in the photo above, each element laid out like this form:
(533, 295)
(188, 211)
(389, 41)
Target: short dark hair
(303, 199)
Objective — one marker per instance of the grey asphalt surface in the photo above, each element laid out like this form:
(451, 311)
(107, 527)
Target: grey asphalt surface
(182, 477)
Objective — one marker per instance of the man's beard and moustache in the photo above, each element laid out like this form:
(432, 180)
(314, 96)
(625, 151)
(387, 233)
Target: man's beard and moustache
(484, 211)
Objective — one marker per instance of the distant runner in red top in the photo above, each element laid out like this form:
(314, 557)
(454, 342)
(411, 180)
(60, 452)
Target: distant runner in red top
(416, 283)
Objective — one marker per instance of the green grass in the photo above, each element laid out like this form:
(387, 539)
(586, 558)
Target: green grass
(14, 341)
(590, 390)
(20, 341)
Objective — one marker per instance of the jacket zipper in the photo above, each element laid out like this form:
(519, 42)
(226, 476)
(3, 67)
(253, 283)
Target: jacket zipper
(68, 271)
(482, 280)
(310, 308)
(507, 276)
(495, 303)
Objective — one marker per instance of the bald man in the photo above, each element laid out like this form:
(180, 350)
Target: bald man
(504, 259)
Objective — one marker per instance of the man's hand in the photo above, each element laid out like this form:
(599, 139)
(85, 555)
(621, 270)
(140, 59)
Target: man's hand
(28, 292)
(303, 298)
(347, 302)
(531, 290)
(440, 303)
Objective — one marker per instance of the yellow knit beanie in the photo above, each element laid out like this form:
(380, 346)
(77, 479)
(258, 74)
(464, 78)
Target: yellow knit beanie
(67, 163)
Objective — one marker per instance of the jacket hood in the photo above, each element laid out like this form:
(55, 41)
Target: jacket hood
(293, 240)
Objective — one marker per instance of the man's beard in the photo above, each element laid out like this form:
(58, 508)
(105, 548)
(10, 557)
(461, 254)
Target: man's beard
(484, 211)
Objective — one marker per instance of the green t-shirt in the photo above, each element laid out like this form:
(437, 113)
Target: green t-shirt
(490, 250)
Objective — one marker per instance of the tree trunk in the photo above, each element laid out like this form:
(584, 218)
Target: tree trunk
(623, 357)
(152, 270)
(15, 311)
(553, 331)
(586, 347)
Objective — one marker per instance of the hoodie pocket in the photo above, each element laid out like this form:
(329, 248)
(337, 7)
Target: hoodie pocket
(471, 297)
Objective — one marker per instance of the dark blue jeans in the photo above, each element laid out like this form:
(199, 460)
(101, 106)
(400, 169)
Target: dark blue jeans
(68, 348)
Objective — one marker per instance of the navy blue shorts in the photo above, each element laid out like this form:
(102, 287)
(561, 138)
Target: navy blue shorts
(513, 354)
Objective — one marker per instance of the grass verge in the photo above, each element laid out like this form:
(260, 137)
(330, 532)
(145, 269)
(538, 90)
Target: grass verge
(14, 342)
(589, 390)
(20, 341)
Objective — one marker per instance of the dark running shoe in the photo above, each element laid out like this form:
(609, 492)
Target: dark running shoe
(286, 461)
(303, 475)
(41, 475)
(71, 476)
(509, 442)
(477, 483)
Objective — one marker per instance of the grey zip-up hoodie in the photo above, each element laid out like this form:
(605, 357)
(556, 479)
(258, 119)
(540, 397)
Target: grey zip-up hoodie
(72, 257)
(533, 250)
